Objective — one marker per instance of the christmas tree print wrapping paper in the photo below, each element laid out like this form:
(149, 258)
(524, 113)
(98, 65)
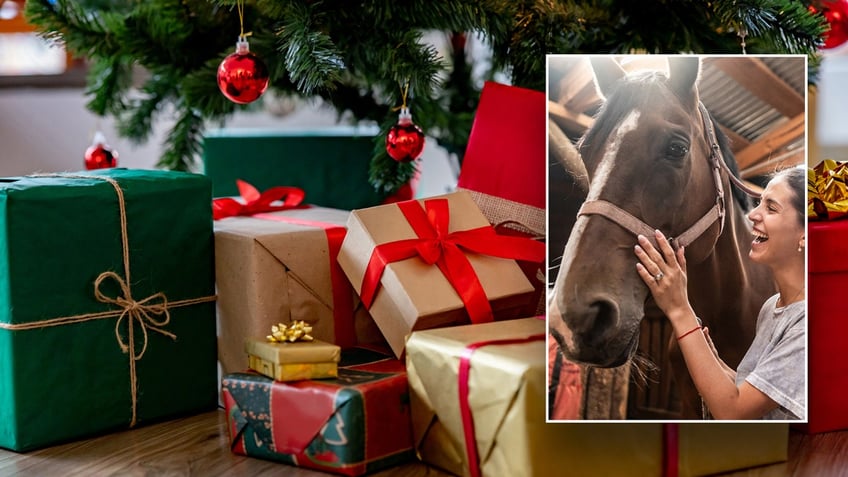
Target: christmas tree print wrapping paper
(355, 424)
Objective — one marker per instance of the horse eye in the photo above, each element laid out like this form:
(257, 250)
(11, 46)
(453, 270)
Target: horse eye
(677, 149)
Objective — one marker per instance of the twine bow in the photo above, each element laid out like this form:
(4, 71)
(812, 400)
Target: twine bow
(140, 312)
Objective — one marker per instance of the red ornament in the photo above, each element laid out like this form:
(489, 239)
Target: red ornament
(836, 14)
(242, 76)
(99, 155)
(405, 140)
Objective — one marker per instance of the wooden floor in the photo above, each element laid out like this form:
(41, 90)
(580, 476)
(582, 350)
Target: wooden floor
(197, 446)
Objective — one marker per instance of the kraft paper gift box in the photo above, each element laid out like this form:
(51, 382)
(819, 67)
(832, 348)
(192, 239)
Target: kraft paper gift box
(293, 361)
(329, 164)
(278, 267)
(498, 403)
(505, 167)
(409, 293)
(356, 424)
(97, 334)
(506, 402)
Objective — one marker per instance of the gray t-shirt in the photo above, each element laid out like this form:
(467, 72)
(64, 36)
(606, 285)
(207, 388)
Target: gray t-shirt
(776, 361)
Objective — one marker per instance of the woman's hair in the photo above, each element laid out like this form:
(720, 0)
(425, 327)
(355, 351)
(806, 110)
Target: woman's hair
(796, 179)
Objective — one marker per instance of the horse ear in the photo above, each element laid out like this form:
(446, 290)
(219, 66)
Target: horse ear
(683, 75)
(607, 73)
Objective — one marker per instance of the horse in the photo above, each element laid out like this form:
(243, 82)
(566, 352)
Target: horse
(655, 159)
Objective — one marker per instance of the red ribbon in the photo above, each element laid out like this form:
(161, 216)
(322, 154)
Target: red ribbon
(464, 408)
(671, 449)
(436, 246)
(254, 202)
(344, 328)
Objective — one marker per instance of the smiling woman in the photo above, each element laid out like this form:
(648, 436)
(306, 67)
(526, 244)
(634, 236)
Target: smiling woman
(770, 382)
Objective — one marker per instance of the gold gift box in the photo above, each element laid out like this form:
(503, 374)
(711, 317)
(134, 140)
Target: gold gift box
(414, 295)
(294, 361)
(507, 399)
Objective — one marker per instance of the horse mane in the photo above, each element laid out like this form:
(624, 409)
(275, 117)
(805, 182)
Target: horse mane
(641, 89)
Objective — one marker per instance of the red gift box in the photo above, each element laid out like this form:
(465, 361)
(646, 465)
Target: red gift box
(827, 327)
(505, 166)
(506, 156)
(352, 425)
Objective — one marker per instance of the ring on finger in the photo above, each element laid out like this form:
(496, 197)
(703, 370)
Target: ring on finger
(659, 276)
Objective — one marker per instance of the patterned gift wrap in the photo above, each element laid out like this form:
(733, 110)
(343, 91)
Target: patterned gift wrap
(355, 424)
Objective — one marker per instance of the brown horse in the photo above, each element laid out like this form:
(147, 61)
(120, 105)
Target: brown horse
(655, 160)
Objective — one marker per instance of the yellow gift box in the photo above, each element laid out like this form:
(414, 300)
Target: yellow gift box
(294, 361)
(506, 397)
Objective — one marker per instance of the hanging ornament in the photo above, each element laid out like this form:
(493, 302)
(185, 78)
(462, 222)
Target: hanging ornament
(242, 76)
(405, 140)
(835, 12)
(99, 155)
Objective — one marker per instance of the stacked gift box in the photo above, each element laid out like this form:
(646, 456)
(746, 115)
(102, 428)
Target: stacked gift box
(452, 283)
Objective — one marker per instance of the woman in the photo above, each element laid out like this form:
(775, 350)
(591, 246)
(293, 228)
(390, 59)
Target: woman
(770, 380)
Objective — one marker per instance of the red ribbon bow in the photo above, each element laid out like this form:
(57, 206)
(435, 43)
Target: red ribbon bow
(291, 197)
(435, 245)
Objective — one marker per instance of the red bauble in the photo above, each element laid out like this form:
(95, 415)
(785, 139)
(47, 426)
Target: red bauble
(836, 14)
(99, 155)
(405, 140)
(242, 76)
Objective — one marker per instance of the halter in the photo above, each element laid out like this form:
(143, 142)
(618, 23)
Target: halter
(716, 213)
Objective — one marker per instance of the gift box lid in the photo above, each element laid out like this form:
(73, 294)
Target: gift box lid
(506, 156)
(315, 351)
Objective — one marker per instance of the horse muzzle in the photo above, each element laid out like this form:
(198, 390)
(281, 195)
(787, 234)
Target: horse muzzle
(592, 334)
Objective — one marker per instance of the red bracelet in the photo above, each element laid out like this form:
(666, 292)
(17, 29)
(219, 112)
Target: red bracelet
(684, 335)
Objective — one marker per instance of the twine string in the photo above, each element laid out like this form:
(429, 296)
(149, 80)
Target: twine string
(404, 88)
(240, 7)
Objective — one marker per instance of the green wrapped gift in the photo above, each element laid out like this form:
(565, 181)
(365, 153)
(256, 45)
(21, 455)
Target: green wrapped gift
(107, 314)
(330, 164)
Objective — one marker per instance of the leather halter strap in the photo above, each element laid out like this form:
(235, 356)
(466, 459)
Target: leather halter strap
(716, 213)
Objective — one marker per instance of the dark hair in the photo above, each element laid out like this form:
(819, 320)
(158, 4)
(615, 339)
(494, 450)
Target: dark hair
(796, 179)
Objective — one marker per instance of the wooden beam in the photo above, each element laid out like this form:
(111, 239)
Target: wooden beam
(768, 166)
(756, 77)
(573, 123)
(773, 141)
(737, 141)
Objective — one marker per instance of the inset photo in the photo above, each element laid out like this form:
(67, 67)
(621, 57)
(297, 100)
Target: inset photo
(677, 238)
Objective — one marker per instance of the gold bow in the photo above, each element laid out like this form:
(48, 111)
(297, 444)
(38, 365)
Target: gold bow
(297, 331)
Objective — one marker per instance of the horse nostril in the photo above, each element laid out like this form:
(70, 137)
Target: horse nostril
(602, 317)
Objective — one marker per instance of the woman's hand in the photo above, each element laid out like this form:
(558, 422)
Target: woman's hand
(664, 272)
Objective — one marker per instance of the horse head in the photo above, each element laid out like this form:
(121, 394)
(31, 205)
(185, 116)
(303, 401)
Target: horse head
(648, 156)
